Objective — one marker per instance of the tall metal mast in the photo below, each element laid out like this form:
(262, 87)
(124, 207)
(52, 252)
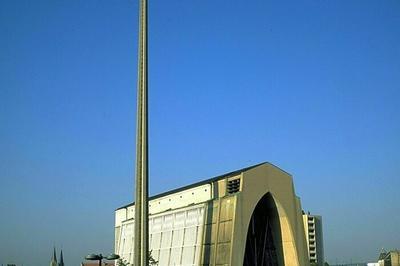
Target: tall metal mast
(141, 205)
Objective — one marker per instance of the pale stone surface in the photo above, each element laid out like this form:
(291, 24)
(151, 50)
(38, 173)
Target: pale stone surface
(226, 205)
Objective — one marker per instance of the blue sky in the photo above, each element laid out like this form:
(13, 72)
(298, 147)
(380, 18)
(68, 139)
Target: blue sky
(311, 86)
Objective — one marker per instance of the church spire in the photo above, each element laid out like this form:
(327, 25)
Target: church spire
(53, 261)
(54, 254)
(61, 259)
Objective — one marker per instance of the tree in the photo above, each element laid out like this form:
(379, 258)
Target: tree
(152, 261)
(122, 262)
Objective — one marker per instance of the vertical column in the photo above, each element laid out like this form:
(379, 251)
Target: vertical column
(141, 204)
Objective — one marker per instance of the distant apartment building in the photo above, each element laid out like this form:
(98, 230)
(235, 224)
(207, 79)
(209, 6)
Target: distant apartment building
(314, 238)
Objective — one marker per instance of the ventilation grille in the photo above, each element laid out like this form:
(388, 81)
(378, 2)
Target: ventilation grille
(233, 186)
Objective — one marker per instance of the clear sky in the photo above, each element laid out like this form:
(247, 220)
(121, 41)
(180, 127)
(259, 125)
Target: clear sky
(312, 86)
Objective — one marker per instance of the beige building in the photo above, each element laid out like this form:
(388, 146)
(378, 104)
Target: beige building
(391, 258)
(247, 217)
(314, 238)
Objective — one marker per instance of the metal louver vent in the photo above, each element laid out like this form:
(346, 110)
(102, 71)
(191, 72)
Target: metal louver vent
(233, 186)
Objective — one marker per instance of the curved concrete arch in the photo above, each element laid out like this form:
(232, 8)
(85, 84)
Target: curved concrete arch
(287, 236)
(264, 180)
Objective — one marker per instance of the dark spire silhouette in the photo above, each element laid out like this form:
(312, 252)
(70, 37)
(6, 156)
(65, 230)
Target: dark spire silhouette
(61, 259)
(54, 254)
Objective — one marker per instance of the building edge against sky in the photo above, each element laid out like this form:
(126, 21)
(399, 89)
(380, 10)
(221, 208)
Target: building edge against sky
(241, 217)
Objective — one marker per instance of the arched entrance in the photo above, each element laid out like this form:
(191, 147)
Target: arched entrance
(264, 235)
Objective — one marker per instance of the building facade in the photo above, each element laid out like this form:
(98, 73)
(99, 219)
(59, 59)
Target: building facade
(247, 217)
(390, 258)
(314, 238)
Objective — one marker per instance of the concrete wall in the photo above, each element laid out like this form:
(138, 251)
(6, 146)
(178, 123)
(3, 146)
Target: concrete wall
(257, 182)
(226, 218)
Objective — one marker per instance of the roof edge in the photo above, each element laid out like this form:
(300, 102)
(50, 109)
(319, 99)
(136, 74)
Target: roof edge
(203, 182)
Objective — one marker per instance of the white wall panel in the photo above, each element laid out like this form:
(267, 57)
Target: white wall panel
(175, 236)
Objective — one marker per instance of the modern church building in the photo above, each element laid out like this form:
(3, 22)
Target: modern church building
(249, 217)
